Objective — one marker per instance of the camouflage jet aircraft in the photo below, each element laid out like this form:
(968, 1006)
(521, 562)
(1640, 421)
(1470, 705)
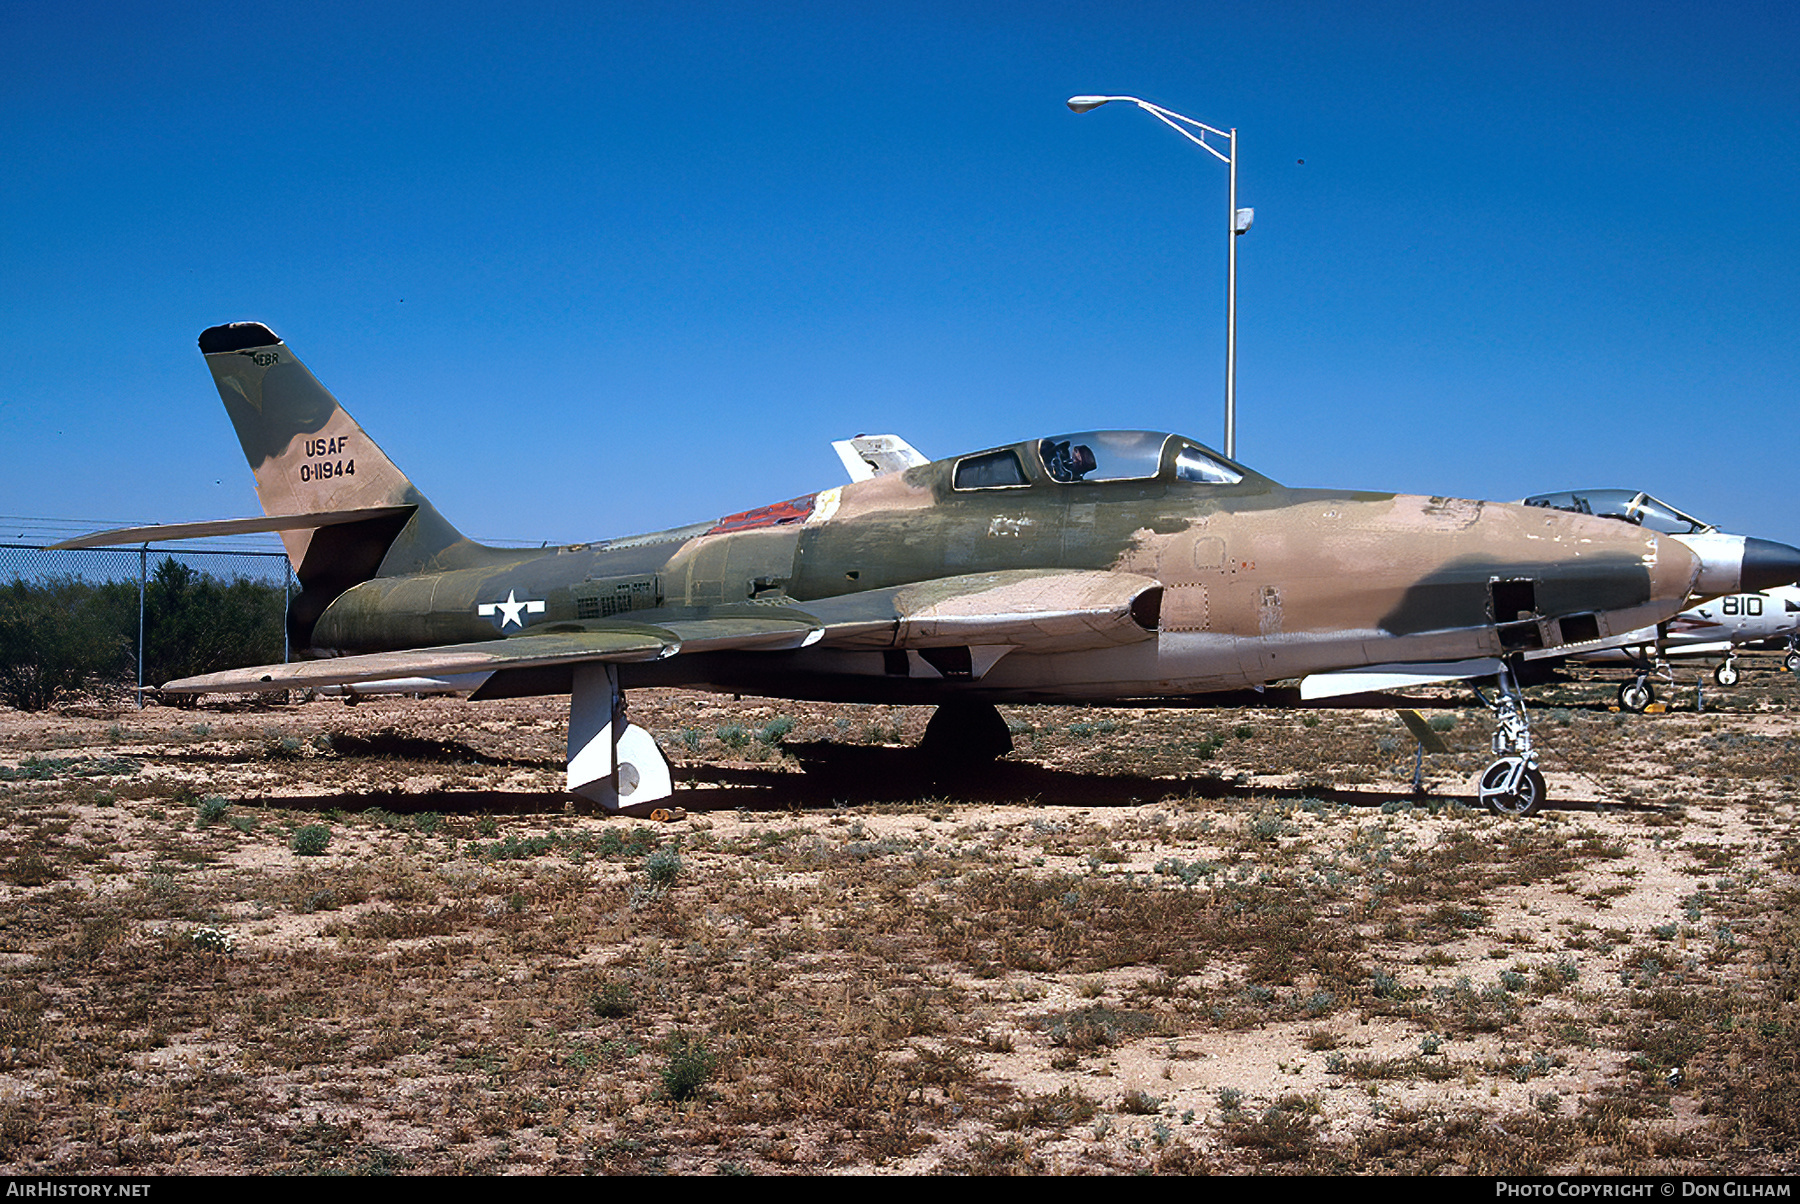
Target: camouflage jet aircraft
(1102, 566)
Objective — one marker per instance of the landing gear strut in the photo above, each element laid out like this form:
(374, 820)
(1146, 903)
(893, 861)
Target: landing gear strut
(1512, 785)
(1727, 673)
(613, 764)
(1637, 694)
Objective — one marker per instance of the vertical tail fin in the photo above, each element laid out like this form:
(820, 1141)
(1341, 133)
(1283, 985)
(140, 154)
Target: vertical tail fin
(310, 457)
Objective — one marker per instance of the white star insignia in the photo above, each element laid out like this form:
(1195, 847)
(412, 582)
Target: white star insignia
(510, 610)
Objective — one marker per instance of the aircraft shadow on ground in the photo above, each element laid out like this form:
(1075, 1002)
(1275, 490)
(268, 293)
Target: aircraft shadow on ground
(442, 802)
(839, 776)
(387, 743)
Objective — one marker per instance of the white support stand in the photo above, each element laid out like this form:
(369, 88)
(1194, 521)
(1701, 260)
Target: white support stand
(611, 762)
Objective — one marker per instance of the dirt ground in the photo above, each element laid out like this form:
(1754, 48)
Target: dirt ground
(308, 937)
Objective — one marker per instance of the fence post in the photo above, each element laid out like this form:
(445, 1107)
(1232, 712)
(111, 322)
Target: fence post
(287, 587)
(143, 575)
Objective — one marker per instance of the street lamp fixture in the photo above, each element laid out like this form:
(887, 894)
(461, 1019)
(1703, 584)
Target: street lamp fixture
(1237, 222)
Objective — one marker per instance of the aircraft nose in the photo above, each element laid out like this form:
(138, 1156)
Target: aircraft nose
(1768, 564)
(1676, 568)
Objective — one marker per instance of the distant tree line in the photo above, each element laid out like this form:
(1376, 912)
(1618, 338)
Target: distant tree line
(64, 637)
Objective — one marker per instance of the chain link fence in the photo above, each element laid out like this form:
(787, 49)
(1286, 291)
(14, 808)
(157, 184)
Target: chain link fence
(135, 616)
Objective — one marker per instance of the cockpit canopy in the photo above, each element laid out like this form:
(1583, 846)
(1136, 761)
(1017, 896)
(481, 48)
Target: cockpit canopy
(1633, 506)
(1095, 456)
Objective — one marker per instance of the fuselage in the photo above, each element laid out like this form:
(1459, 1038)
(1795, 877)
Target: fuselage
(1259, 582)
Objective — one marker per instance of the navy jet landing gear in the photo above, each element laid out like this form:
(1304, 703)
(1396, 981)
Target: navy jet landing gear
(964, 733)
(1637, 694)
(613, 764)
(1727, 673)
(1792, 660)
(1512, 785)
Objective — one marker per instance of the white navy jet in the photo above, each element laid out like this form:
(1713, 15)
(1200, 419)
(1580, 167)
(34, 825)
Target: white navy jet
(1745, 593)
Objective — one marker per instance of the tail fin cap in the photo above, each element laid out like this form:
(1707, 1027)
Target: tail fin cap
(236, 336)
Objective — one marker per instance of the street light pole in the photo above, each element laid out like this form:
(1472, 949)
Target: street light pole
(1231, 311)
(1237, 223)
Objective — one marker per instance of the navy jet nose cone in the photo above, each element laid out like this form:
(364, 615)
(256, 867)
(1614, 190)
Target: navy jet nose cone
(1768, 564)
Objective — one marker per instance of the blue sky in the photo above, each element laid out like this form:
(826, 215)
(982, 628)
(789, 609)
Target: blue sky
(590, 269)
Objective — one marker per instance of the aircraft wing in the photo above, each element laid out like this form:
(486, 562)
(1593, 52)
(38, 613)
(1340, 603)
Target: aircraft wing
(570, 644)
(1043, 610)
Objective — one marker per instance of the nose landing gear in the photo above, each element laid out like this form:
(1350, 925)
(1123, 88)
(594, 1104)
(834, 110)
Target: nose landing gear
(1637, 694)
(1511, 785)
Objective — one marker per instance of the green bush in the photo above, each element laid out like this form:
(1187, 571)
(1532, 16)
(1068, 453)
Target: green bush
(311, 840)
(611, 1000)
(196, 623)
(62, 636)
(690, 1064)
(663, 867)
(775, 730)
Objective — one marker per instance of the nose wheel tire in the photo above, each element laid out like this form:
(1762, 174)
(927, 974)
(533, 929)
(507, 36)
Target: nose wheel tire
(1635, 696)
(1508, 789)
(1792, 661)
(1726, 674)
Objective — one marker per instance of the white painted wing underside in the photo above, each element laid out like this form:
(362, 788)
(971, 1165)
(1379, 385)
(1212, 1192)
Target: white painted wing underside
(1393, 677)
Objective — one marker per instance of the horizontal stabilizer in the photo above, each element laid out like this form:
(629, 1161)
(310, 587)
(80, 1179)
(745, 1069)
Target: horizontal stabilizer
(1375, 678)
(159, 532)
